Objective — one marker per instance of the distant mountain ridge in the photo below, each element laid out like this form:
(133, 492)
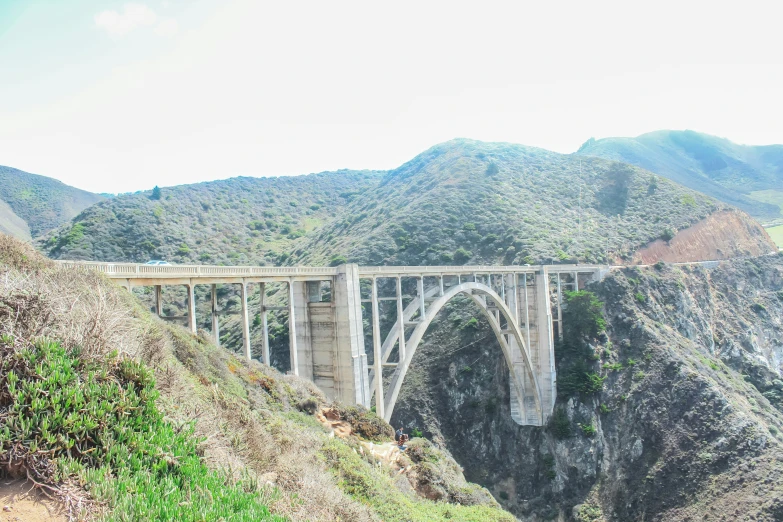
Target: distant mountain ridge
(31, 204)
(748, 177)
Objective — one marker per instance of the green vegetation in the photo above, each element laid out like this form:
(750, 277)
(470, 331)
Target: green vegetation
(99, 421)
(588, 430)
(155, 193)
(559, 425)
(549, 466)
(584, 321)
(776, 233)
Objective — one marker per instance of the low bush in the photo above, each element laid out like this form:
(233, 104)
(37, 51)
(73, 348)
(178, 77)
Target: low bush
(99, 421)
(559, 425)
(366, 423)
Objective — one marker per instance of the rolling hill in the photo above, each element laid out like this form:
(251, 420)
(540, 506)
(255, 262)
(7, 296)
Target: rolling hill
(31, 204)
(748, 177)
(460, 202)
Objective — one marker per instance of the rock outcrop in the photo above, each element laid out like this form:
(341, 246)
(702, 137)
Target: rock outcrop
(723, 235)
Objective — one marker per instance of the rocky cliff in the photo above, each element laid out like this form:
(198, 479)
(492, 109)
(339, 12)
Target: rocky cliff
(686, 424)
(722, 235)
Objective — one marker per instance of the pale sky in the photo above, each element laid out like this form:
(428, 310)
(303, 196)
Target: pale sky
(114, 96)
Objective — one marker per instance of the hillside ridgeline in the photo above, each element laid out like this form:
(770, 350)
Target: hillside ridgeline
(748, 177)
(31, 205)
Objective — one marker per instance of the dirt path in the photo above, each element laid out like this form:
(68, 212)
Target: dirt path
(20, 503)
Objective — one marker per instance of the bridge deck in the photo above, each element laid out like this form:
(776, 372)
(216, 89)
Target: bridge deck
(216, 274)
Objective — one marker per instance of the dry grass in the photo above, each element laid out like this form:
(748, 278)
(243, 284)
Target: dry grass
(77, 307)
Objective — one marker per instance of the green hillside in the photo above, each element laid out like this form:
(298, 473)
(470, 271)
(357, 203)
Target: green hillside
(238, 221)
(469, 202)
(31, 204)
(459, 202)
(748, 177)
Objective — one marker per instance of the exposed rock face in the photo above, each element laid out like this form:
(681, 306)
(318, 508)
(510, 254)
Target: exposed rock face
(688, 425)
(722, 235)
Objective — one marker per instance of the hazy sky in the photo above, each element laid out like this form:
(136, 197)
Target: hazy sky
(114, 96)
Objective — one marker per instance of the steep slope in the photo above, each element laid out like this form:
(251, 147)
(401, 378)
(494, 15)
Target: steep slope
(125, 417)
(39, 202)
(12, 224)
(749, 177)
(683, 422)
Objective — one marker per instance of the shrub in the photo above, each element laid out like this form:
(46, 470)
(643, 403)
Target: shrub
(470, 324)
(366, 423)
(416, 432)
(588, 430)
(579, 379)
(492, 169)
(640, 298)
(559, 425)
(549, 466)
(338, 260)
(604, 409)
(582, 316)
(461, 255)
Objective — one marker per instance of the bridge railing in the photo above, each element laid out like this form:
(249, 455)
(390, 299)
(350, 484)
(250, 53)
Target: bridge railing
(134, 270)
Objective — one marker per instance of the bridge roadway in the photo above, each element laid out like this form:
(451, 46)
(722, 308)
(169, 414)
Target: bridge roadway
(326, 339)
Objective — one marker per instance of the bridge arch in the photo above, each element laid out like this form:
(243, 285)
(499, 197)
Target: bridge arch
(521, 373)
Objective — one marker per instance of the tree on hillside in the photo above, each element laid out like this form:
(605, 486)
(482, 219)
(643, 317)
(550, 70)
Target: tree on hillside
(155, 193)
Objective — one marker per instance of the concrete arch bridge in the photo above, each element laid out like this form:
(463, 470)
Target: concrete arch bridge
(327, 337)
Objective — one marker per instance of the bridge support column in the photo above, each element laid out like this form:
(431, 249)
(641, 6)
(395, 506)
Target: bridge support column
(292, 348)
(328, 337)
(304, 296)
(245, 320)
(376, 350)
(264, 326)
(400, 321)
(420, 291)
(545, 346)
(215, 321)
(159, 300)
(559, 308)
(191, 307)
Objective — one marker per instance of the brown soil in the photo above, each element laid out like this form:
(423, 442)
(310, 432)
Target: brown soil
(722, 235)
(330, 418)
(20, 502)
